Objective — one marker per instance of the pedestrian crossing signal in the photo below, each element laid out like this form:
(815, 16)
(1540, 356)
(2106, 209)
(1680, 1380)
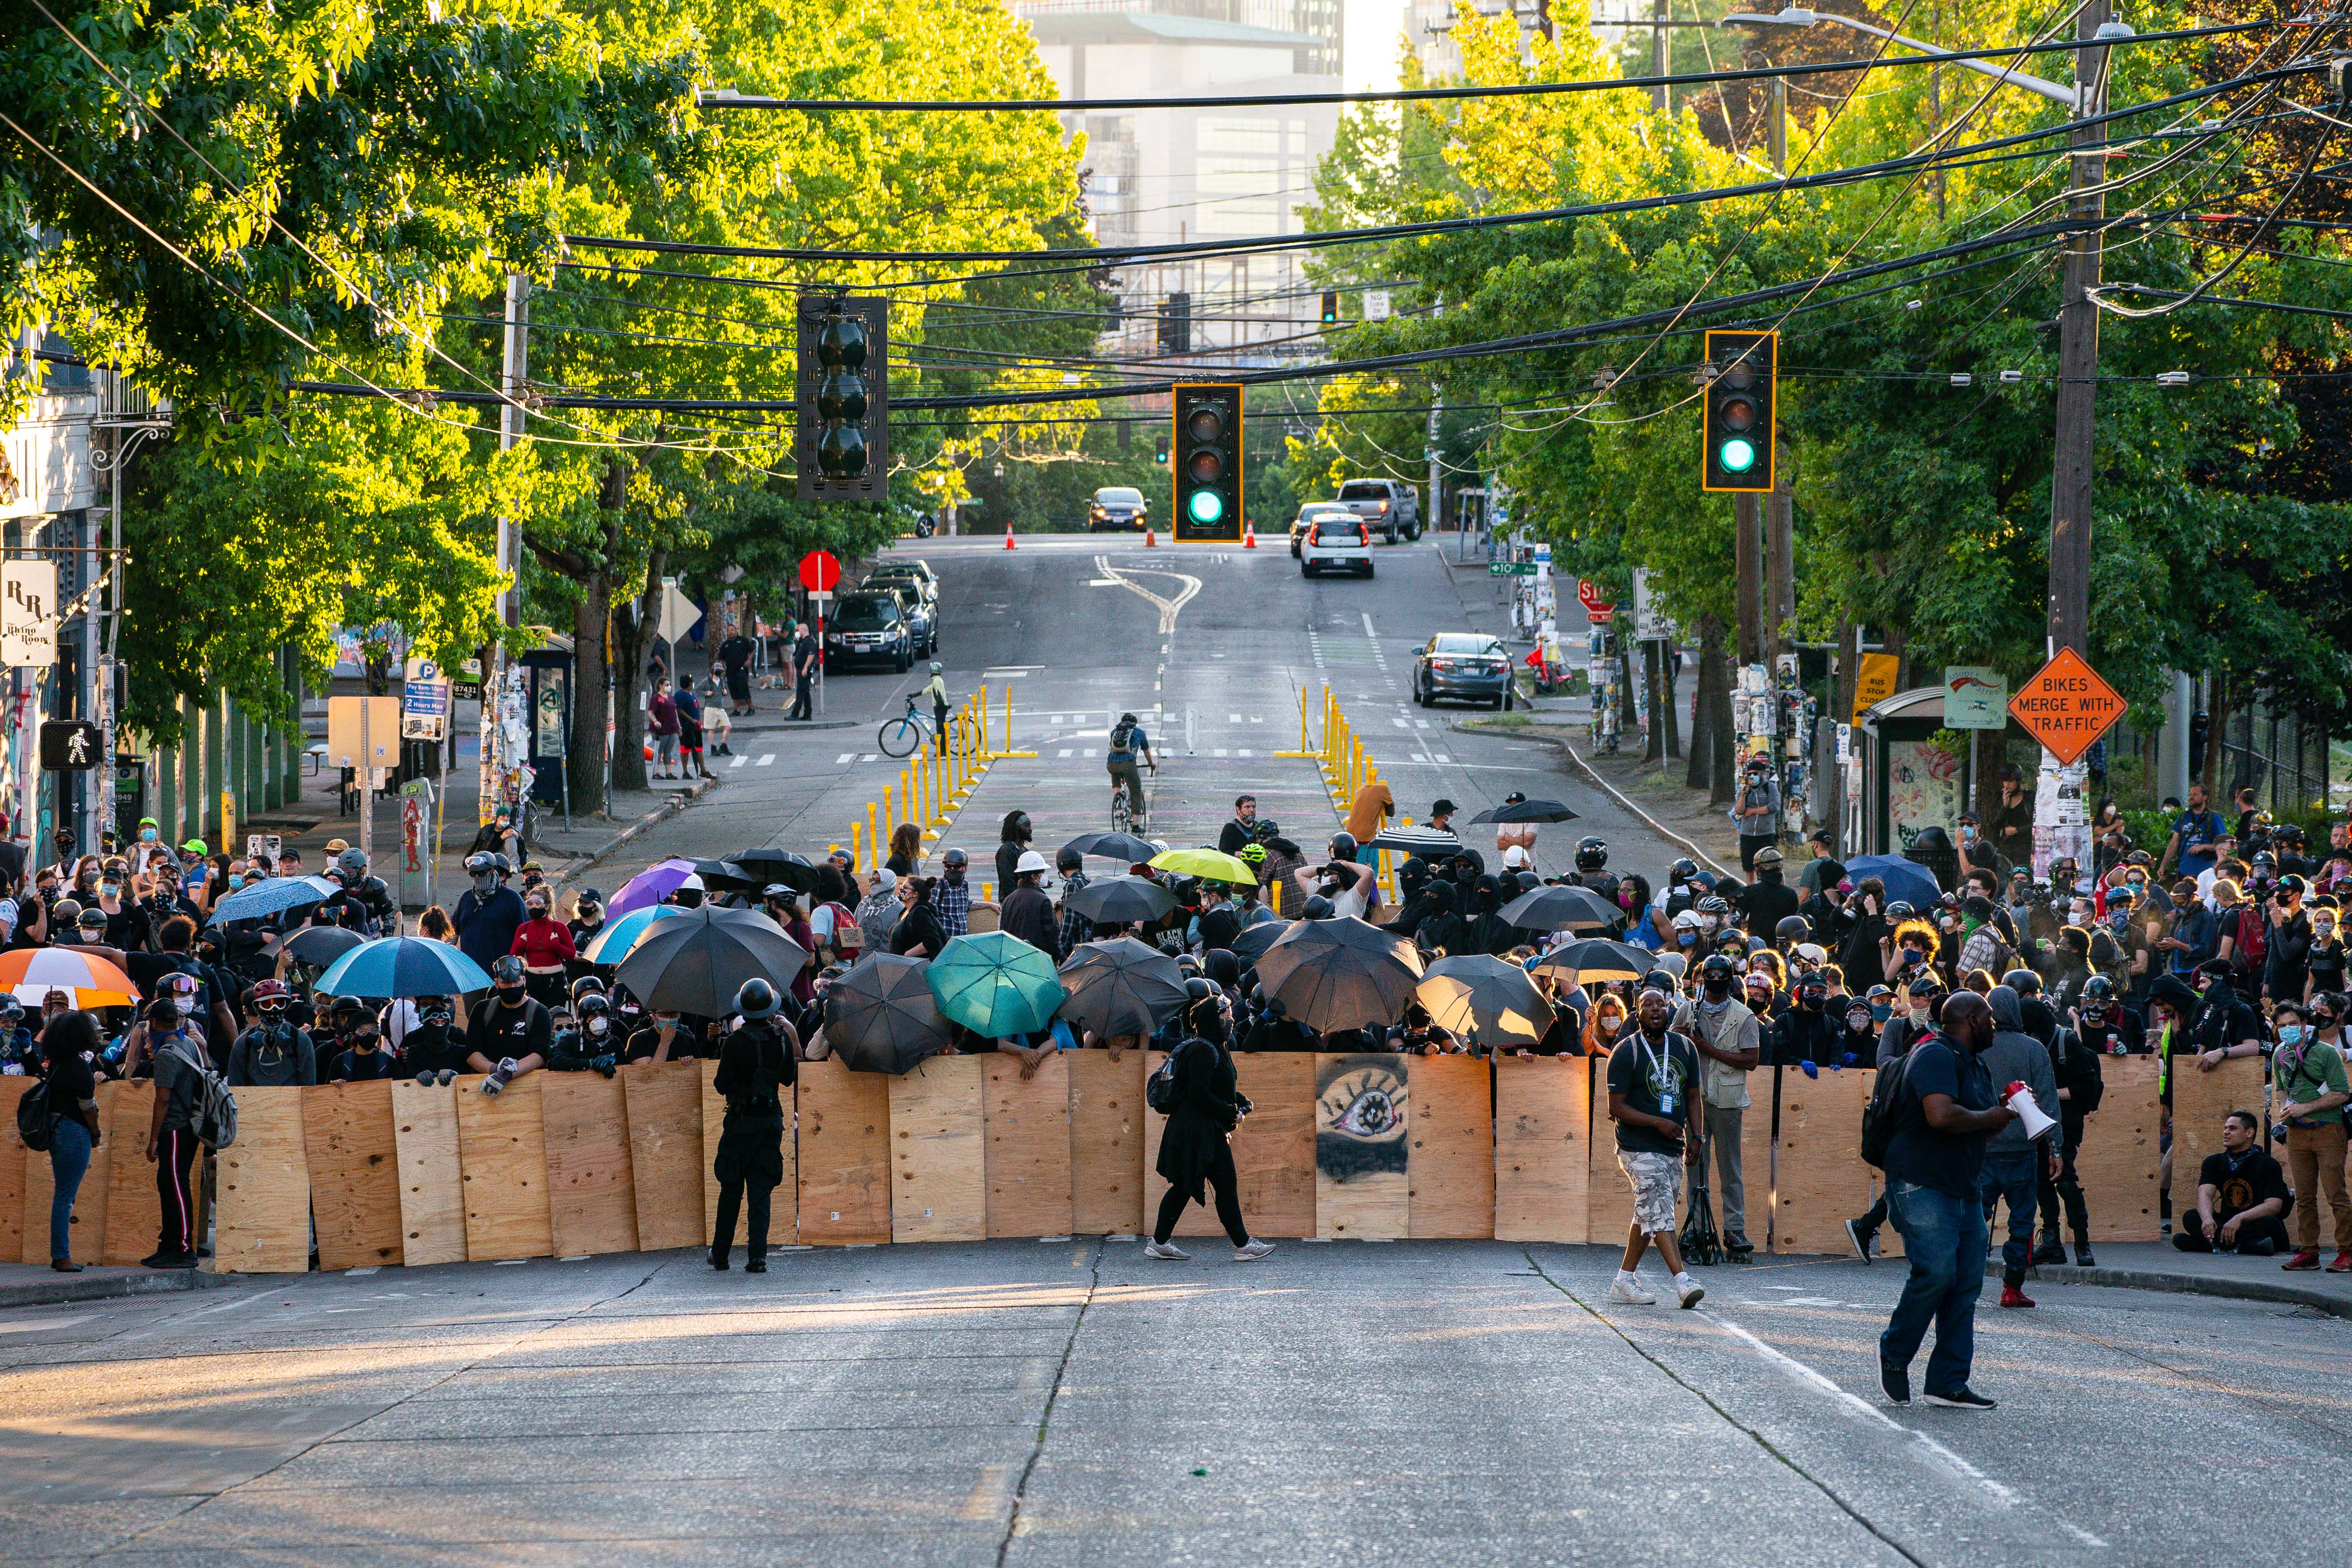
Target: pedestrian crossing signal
(1739, 420)
(1206, 433)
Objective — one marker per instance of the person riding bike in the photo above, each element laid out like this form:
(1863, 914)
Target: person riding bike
(1127, 742)
(936, 691)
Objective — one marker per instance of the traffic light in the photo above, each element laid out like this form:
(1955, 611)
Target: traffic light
(1207, 429)
(1160, 448)
(1176, 324)
(1739, 420)
(1330, 306)
(840, 427)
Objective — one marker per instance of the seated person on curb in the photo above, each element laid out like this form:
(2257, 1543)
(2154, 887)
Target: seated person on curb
(512, 1034)
(2241, 1196)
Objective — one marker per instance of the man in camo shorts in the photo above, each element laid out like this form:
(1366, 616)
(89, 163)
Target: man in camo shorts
(1653, 1074)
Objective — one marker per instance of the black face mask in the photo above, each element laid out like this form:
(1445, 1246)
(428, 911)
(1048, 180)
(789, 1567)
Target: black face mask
(512, 996)
(689, 898)
(1716, 986)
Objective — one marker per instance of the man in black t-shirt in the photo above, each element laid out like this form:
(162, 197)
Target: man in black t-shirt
(511, 1034)
(1653, 1088)
(2241, 1196)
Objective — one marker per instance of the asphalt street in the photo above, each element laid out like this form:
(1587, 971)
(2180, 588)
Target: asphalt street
(1213, 647)
(1070, 1401)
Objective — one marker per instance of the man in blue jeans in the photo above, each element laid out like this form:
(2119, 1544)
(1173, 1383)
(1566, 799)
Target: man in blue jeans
(1945, 1109)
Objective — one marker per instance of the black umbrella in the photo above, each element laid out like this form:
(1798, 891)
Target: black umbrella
(777, 865)
(1599, 960)
(321, 945)
(1108, 901)
(1485, 1000)
(1120, 987)
(695, 962)
(1340, 974)
(880, 1015)
(726, 877)
(1124, 847)
(1561, 907)
(1435, 843)
(1251, 946)
(1527, 811)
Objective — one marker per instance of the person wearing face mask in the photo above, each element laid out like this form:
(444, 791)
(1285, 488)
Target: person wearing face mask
(363, 1058)
(952, 898)
(1944, 1108)
(2106, 1028)
(2309, 1092)
(172, 1143)
(587, 920)
(757, 1061)
(1195, 1147)
(1729, 1039)
(588, 1046)
(488, 913)
(434, 1048)
(1807, 1034)
(545, 946)
(510, 1035)
(1690, 932)
(1858, 1034)
(273, 1053)
(2014, 1165)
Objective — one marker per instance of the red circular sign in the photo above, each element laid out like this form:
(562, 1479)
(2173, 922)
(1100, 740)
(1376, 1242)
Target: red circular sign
(1588, 594)
(820, 572)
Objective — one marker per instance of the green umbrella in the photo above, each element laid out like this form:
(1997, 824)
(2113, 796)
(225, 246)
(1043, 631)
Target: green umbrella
(1209, 865)
(995, 984)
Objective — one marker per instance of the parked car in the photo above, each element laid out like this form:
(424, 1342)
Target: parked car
(1340, 543)
(908, 570)
(1116, 506)
(1307, 514)
(922, 615)
(870, 626)
(1391, 505)
(1462, 664)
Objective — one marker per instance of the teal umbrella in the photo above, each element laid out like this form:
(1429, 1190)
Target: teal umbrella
(995, 986)
(615, 941)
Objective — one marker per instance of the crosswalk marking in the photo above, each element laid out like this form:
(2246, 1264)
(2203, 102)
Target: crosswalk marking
(1441, 756)
(1245, 752)
(871, 757)
(1087, 752)
(1401, 723)
(1218, 752)
(1257, 718)
(766, 757)
(844, 759)
(1232, 717)
(1065, 751)
(738, 761)
(1420, 723)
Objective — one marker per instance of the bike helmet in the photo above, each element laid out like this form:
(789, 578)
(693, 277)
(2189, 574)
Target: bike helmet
(1343, 845)
(1254, 854)
(1711, 905)
(1592, 854)
(270, 998)
(1682, 870)
(1267, 830)
(1689, 920)
(585, 986)
(1792, 928)
(2024, 982)
(756, 999)
(1900, 910)
(1718, 966)
(937, 669)
(1768, 859)
(481, 863)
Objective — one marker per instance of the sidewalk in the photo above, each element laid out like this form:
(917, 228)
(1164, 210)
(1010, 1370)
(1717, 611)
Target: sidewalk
(37, 1285)
(2156, 1266)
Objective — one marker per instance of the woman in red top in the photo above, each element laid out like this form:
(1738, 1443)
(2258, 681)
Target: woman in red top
(544, 945)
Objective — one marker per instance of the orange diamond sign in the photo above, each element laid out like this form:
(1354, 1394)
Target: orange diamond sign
(2066, 706)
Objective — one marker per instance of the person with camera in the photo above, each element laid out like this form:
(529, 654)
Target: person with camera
(1653, 1079)
(1195, 1147)
(2308, 1077)
(757, 1062)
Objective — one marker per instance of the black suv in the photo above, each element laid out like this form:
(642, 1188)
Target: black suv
(870, 626)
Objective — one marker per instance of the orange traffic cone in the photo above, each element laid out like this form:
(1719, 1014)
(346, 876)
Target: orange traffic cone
(1151, 540)
(1249, 536)
(1008, 533)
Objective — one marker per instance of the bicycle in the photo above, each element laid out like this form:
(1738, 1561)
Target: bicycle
(899, 737)
(1123, 806)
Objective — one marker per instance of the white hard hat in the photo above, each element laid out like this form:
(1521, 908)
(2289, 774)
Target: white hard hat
(692, 881)
(1689, 920)
(1515, 856)
(1812, 952)
(1030, 861)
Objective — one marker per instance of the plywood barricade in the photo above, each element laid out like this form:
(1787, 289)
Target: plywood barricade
(134, 1210)
(1107, 1158)
(592, 1192)
(1609, 1199)
(1756, 1150)
(1543, 1132)
(432, 1192)
(2117, 1163)
(1823, 1181)
(1027, 1122)
(714, 1123)
(353, 1154)
(2199, 1101)
(92, 1200)
(1274, 1151)
(13, 1156)
(1451, 1166)
(502, 1157)
(667, 1156)
(939, 1151)
(845, 1155)
(1363, 1150)
(262, 1216)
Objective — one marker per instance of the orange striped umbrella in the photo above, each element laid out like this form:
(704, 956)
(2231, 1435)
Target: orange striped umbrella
(32, 972)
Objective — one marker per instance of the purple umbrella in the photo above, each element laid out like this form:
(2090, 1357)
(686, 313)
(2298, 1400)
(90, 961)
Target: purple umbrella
(649, 886)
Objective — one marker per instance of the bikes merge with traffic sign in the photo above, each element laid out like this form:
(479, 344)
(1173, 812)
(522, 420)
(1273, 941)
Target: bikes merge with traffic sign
(2066, 706)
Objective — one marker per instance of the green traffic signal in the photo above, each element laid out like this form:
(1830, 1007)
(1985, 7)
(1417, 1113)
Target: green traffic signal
(1206, 505)
(1735, 455)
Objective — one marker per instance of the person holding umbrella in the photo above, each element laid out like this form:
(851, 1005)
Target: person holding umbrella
(756, 1063)
(1195, 1149)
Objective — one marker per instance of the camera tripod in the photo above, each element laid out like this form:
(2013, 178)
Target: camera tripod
(1700, 1241)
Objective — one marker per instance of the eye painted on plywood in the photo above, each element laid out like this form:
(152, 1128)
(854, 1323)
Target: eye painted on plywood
(1365, 1103)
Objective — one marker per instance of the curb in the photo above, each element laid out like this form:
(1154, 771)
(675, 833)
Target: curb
(68, 1287)
(2333, 1303)
(796, 726)
(677, 803)
(1607, 788)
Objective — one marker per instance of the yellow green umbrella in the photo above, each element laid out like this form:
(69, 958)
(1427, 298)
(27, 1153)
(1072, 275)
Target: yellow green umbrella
(1209, 865)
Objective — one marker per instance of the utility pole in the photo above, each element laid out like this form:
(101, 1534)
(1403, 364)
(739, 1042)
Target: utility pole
(1658, 54)
(1747, 569)
(514, 370)
(1434, 510)
(2078, 354)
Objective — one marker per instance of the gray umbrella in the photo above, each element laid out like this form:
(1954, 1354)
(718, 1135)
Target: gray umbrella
(880, 1015)
(1485, 1000)
(695, 962)
(1340, 974)
(1561, 907)
(1114, 900)
(1433, 843)
(1120, 987)
(1251, 946)
(321, 945)
(1124, 847)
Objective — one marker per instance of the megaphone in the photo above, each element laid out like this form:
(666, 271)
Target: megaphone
(2021, 1100)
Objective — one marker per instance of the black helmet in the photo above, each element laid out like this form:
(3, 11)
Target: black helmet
(1266, 830)
(2098, 989)
(591, 1010)
(480, 862)
(1196, 988)
(756, 999)
(509, 968)
(1592, 854)
(1793, 927)
(1682, 870)
(1718, 966)
(2024, 982)
(2265, 860)
(1343, 845)
(1813, 987)
(1931, 838)
(585, 986)
(1900, 910)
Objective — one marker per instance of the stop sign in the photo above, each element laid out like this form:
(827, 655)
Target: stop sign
(820, 572)
(1588, 594)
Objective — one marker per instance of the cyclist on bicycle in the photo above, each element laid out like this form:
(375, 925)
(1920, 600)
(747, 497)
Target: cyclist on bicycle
(937, 692)
(1128, 741)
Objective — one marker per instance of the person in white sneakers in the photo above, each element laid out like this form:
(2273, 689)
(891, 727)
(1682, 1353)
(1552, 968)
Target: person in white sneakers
(1194, 1151)
(1652, 1074)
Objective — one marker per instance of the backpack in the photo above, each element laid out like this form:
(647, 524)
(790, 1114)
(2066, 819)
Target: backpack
(1122, 744)
(2253, 939)
(1160, 1089)
(2079, 1072)
(1882, 1116)
(36, 1123)
(215, 1119)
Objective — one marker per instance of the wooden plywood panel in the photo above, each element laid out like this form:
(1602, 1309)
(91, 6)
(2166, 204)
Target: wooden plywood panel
(262, 1215)
(2120, 1151)
(12, 1172)
(1451, 1185)
(1274, 1148)
(134, 1211)
(939, 1151)
(2199, 1101)
(1823, 1181)
(1107, 1160)
(1027, 1125)
(714, 1121)
(91, 1200)
(425, 1154)
(1363, 1111)
(592, 1192)
(665, 1153)
(845, 1155)
(502, 1159)
(354, 1158)
(1609, 1199)
(1756, 1152)
(1543, 1134)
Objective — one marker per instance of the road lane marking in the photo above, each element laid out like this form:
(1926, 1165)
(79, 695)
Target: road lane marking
(844, 759)
(738, 761)
(766, 758)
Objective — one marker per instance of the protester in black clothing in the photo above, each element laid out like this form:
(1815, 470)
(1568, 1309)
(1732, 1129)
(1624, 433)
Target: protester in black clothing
(1220, 923)
(363, 1059)
(1012, 838)
(2106, 1028)
(804, 663)
(2242, 1197)
(587, 922)
(1027, 912)
(1194, 1152)
(433, 1048)
(2287, 965)
(1764, 903)
(2223, 1025)
(273, 1053)
(918, 933)
(756, 1063)
(511, 1034)
(1806, 1033)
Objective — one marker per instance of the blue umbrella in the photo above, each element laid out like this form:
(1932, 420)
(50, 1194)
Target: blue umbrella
(402, 966)
(1907, 881)
(995, 984)
(613, 943)
(273, 895)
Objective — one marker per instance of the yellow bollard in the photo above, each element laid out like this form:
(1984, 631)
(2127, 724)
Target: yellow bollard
(1302, 720)
(856, 844)
(982, 697)
(889, 809)
(1008, 718)
(874, 835)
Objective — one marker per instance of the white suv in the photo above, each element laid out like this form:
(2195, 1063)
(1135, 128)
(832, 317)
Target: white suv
(1342, 543)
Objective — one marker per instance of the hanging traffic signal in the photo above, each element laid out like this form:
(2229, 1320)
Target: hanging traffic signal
(1330, 306)
(1176, 324)
(841, 430)
(1739, 420)
(1160, 448)
(1207, 429)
